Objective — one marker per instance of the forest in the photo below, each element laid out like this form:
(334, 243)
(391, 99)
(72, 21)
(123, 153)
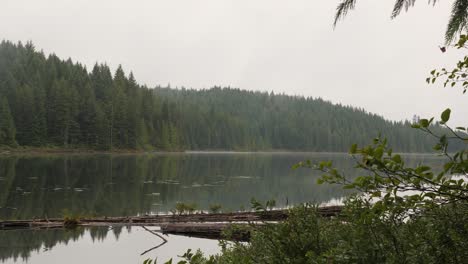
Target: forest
(49, 102)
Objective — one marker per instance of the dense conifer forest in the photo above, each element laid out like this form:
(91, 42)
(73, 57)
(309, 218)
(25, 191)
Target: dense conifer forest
(49, 102)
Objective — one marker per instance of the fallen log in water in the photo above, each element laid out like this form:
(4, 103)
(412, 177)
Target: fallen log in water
(159, 220)
(241, 232)
(26, 224)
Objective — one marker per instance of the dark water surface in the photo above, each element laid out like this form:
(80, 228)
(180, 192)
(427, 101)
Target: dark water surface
(126, 185)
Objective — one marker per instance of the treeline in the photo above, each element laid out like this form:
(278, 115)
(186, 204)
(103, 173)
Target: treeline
(46, 101)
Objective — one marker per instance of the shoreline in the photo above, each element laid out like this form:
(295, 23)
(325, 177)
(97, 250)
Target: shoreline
(7, 151)
(58, 151)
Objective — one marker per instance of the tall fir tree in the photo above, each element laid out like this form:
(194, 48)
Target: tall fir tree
(7, 126)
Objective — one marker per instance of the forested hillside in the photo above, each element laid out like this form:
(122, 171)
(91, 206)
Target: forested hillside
(46, 101)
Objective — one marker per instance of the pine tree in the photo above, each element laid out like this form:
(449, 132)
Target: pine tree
(39, 125)
(7, 126)
(23, 115)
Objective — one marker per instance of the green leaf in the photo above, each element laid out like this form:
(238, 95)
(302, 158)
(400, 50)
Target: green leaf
(424, 122)
(422, 169)
(448, 166)
(445, 116)
(378, 153)
(296, 166)
(396, 158)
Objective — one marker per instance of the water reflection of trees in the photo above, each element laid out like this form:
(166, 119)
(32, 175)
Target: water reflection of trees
(104, 185)
(20, 244)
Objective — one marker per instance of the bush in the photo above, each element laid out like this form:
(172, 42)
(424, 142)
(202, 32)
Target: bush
(215, 208)
(184, 208)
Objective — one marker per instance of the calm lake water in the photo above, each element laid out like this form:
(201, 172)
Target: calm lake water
(126, 185)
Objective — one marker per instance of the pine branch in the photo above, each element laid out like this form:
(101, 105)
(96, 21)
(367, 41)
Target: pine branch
(343, 9)
(458, 20)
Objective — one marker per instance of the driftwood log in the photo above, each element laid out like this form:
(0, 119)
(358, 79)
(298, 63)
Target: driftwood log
(241, 232)
(199, 225)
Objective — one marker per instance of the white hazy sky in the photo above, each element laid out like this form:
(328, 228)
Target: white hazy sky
(368, 61)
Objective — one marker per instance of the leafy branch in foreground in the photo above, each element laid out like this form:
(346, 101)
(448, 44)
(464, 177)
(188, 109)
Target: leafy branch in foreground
(392, 185)
(459, 74)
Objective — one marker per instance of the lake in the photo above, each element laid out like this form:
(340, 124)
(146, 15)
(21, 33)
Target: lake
(125, 185)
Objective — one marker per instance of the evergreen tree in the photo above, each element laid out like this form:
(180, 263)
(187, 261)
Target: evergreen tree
(7, 126)
(39, 125)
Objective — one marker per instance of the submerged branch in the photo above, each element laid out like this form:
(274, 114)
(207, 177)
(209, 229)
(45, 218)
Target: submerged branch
(156, 247)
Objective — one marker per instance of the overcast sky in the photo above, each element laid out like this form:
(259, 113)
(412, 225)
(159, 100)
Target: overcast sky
(369, 60)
